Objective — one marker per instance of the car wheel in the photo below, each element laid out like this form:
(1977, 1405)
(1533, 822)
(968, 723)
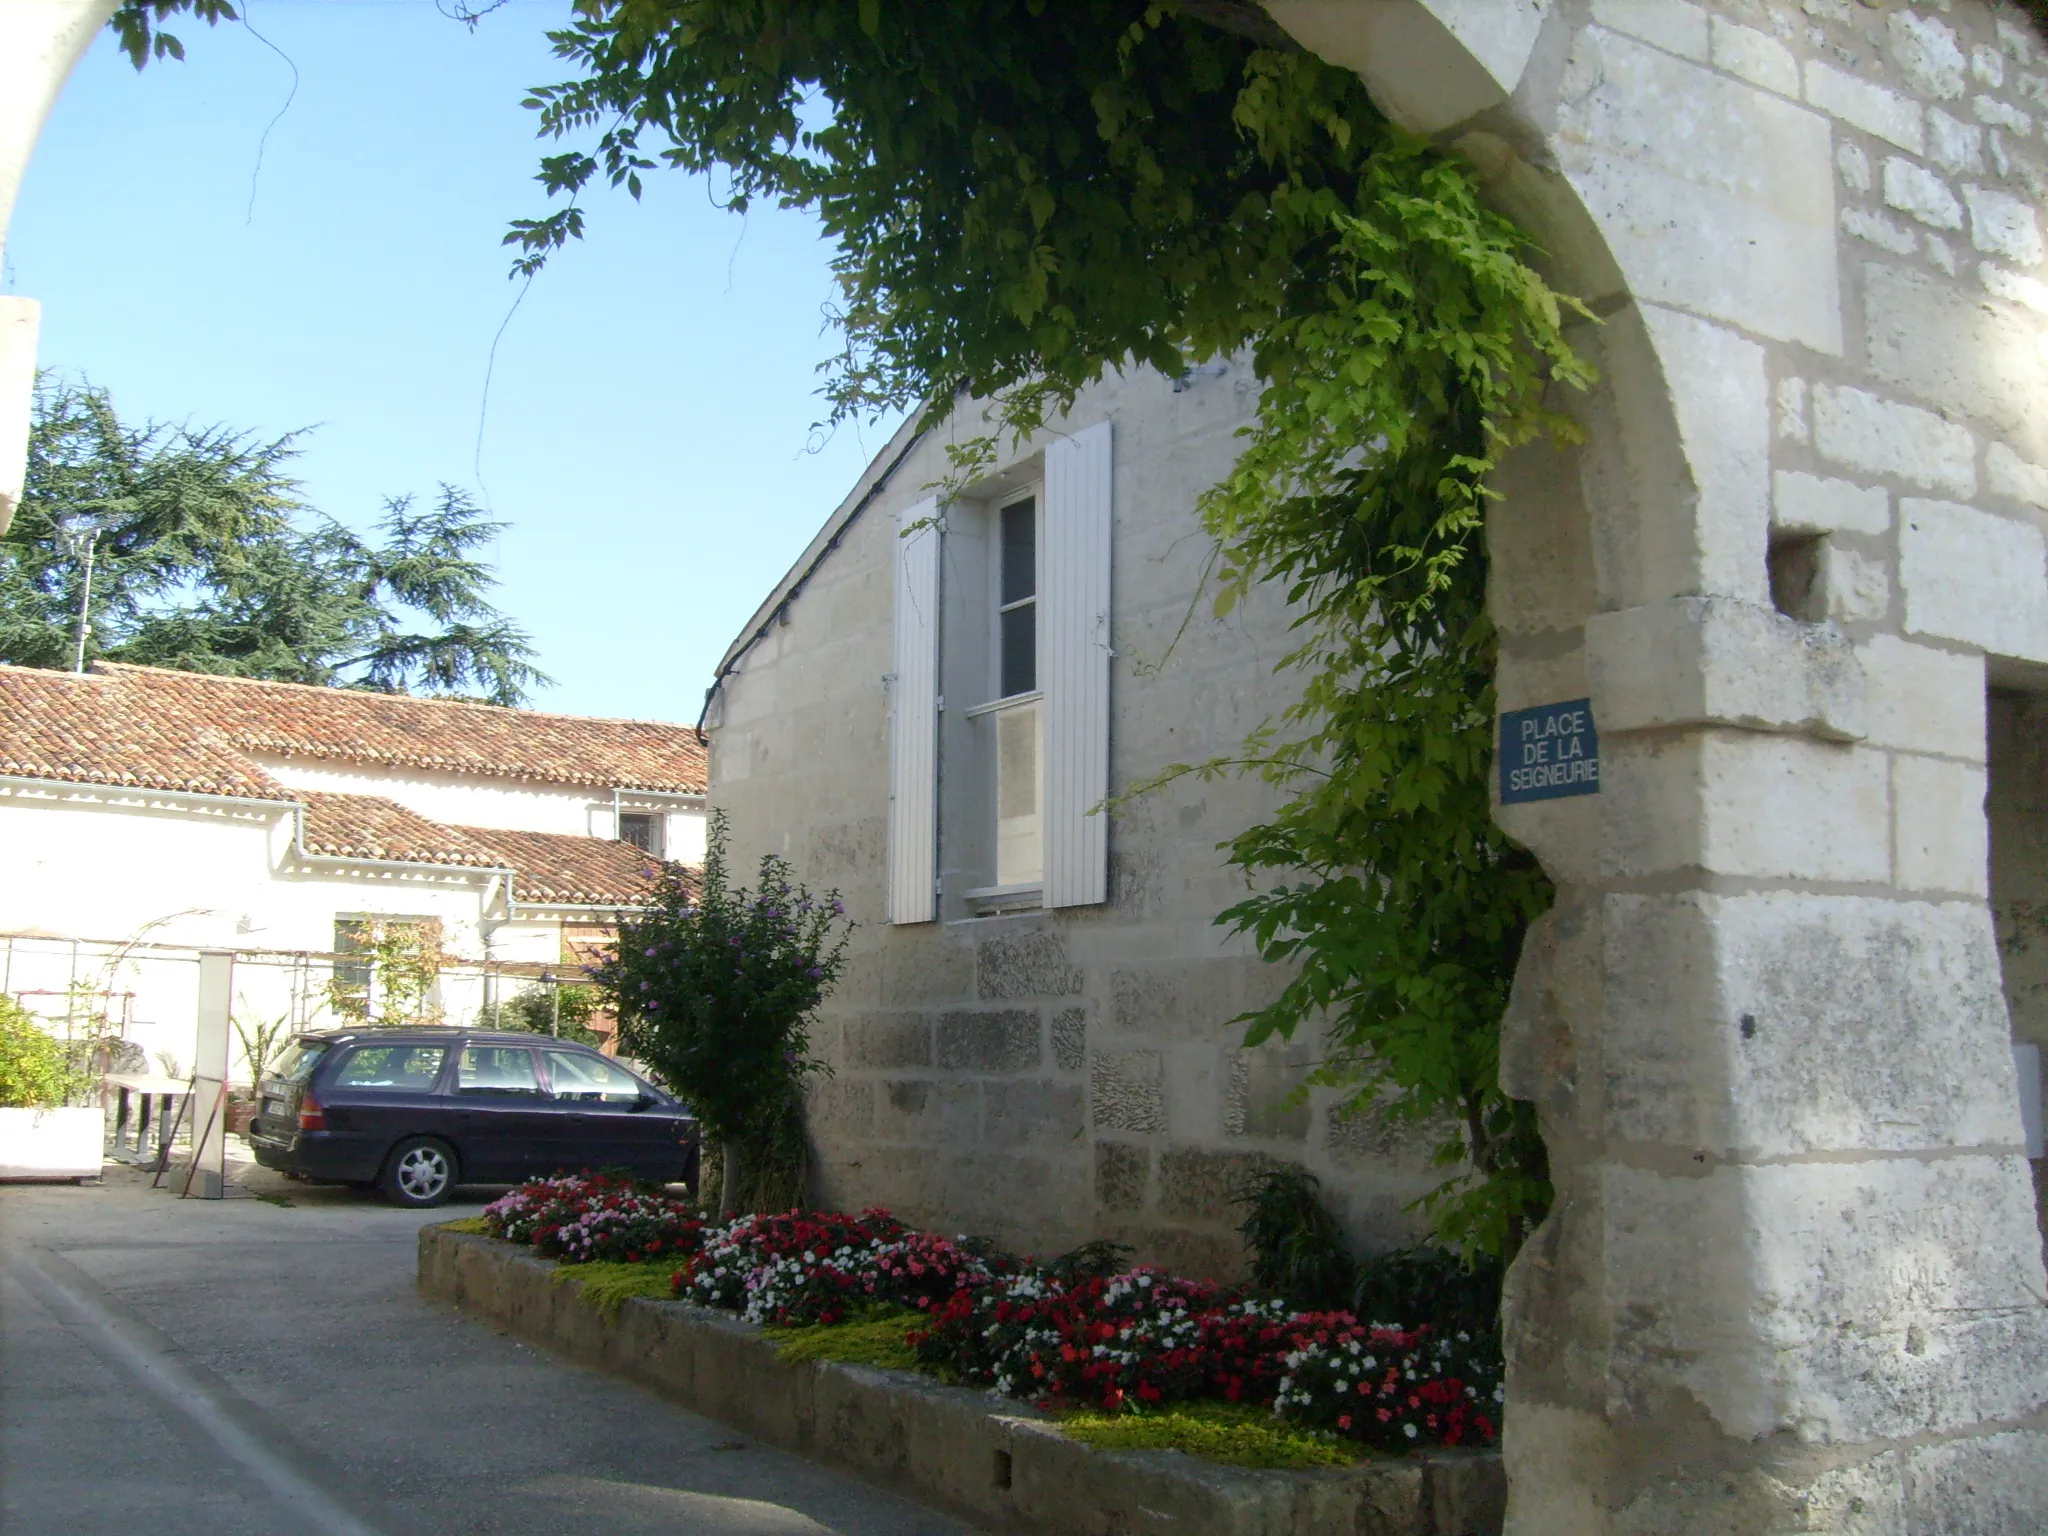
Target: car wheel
(420, 1172)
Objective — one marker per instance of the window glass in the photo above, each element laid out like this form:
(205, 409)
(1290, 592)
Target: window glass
(642, 830)
(1017, 600)
(299, 1060)
(1020, 552)
(351, 937)
(393, 1068)
(500, 1069)
(1020, 853)
(584, 1079)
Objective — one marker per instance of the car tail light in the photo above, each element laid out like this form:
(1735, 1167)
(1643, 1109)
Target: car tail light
(311, 1116)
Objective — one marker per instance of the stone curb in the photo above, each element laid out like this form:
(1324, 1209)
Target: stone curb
(1004, 1468)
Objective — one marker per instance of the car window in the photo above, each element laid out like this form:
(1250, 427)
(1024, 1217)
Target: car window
(501, 1069)
(585, 1079)
(299, 1060)
(392, 1068)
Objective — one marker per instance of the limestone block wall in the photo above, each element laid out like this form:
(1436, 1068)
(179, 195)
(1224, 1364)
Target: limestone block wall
(1052, 1076)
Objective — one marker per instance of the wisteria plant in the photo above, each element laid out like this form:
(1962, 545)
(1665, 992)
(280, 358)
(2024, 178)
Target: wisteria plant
(713, 988)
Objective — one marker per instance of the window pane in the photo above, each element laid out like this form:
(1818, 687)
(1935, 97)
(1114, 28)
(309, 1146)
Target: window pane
(1020, 650)
(394, 1068)
(642, 830)
(590, 1079)
(351, 937)
(299, 1060)
(1020, 552)
(497, 1069)
(1020, 857)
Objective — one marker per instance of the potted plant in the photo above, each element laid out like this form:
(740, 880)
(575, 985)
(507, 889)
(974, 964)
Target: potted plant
(41, 1135)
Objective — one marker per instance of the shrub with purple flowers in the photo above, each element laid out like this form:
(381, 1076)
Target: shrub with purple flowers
(713, 987)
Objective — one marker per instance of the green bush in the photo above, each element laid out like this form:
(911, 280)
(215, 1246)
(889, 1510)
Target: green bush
(531, 1010)
(33, 1071)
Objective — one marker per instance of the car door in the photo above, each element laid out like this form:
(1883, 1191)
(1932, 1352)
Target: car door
(500, 1112)
(609, 1118)
(380, 1093)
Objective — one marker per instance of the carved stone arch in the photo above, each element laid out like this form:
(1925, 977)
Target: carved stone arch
(1793, 1278)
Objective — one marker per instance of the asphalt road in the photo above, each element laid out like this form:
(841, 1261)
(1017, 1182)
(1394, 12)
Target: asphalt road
(250, 1368)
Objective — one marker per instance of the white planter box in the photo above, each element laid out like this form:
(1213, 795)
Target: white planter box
(51, 1143)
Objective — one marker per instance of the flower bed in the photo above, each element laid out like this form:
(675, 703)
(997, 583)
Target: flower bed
(1062, 1335)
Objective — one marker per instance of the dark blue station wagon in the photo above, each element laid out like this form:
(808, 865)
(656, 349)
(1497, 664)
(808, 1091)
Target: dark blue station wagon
(416, 1112)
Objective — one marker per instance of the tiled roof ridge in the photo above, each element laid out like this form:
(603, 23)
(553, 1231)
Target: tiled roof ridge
(116, 669)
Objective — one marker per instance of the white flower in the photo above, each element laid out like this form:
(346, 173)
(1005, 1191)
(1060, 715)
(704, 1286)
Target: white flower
(1408, 1430)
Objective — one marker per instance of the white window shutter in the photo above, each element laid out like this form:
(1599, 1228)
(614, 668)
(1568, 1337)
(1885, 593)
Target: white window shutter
(914, 719)
(1073, 666)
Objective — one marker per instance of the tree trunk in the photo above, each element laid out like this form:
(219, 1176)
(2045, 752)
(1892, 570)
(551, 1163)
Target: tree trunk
(729, 1180)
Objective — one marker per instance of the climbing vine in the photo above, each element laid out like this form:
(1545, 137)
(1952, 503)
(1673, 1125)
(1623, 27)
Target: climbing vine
(1024, 195)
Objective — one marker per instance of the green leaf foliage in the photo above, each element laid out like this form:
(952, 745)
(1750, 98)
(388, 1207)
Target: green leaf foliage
(35, 1072)
(714, 986)
(206, 558)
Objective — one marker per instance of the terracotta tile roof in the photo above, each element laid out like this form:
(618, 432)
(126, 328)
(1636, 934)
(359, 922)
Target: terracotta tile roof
(88, 730)
(371, 827)
(299, 720)
(570, 871)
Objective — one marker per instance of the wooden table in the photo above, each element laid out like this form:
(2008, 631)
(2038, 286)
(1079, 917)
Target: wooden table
(148, 1087)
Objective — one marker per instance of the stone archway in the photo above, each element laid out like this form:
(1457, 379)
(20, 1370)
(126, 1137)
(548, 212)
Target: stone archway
(1793, 1279)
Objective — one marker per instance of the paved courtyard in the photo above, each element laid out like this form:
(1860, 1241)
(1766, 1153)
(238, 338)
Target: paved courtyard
(249, 1366)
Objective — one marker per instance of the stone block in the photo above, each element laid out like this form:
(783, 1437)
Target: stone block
(1850, 588)
(1998, 114)
(2013, 288)
(1721, 397)
(1918, 192)
(1265, 1097)
(1699, 661)
(928, 1112)
(1198, 1184)
(1361, 1134)
(1927, 53)
(1886, 234)
(840, 1109)
(1006, 1040)
(1070, 1039)
(1756, 56)
(1121, 1174)
(1975, 577)
(921, 967)
(1959, 354)
(1050, 1116)
(1923, 699)
(1813, 504)
(1714, 195)
(1894, 118)
(1742, 803)
(1831, 1302)
(2007, 474)
(2003, 225)
(1129, 1091)
(1430, 65)
(1186, 1000)
(1854, 166)
(1860, 431)
(888, 1040)
(1782, 1026)
(1672, 25)
(1987, 65)
(1538, 534)
(1957, 147)
(1986, 1485)
(1938, 825)
(1025, 965)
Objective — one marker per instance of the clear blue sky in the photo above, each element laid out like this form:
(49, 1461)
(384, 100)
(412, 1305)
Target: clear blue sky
(650, 413)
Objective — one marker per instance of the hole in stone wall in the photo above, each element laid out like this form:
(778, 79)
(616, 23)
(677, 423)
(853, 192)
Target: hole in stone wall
(1795, 578)
(2016, 806)
(1000, 1472)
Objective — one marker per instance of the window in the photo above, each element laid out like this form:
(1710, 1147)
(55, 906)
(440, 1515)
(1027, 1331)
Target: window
(352, 936)
(498, 1070)
(582, 1079)
(1017, 599)
(643, 830)
(394, 1068)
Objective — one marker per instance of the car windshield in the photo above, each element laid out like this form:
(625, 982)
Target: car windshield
(299, 1060)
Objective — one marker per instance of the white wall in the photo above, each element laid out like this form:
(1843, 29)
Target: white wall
(456, 799)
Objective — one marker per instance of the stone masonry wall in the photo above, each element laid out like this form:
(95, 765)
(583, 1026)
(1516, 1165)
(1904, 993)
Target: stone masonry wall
(1054, 1076)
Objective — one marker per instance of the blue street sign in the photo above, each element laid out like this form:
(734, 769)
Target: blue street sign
(1549, 752)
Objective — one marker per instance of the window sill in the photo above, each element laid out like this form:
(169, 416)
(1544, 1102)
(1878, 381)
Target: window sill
(993, 900)
(1009, 701)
